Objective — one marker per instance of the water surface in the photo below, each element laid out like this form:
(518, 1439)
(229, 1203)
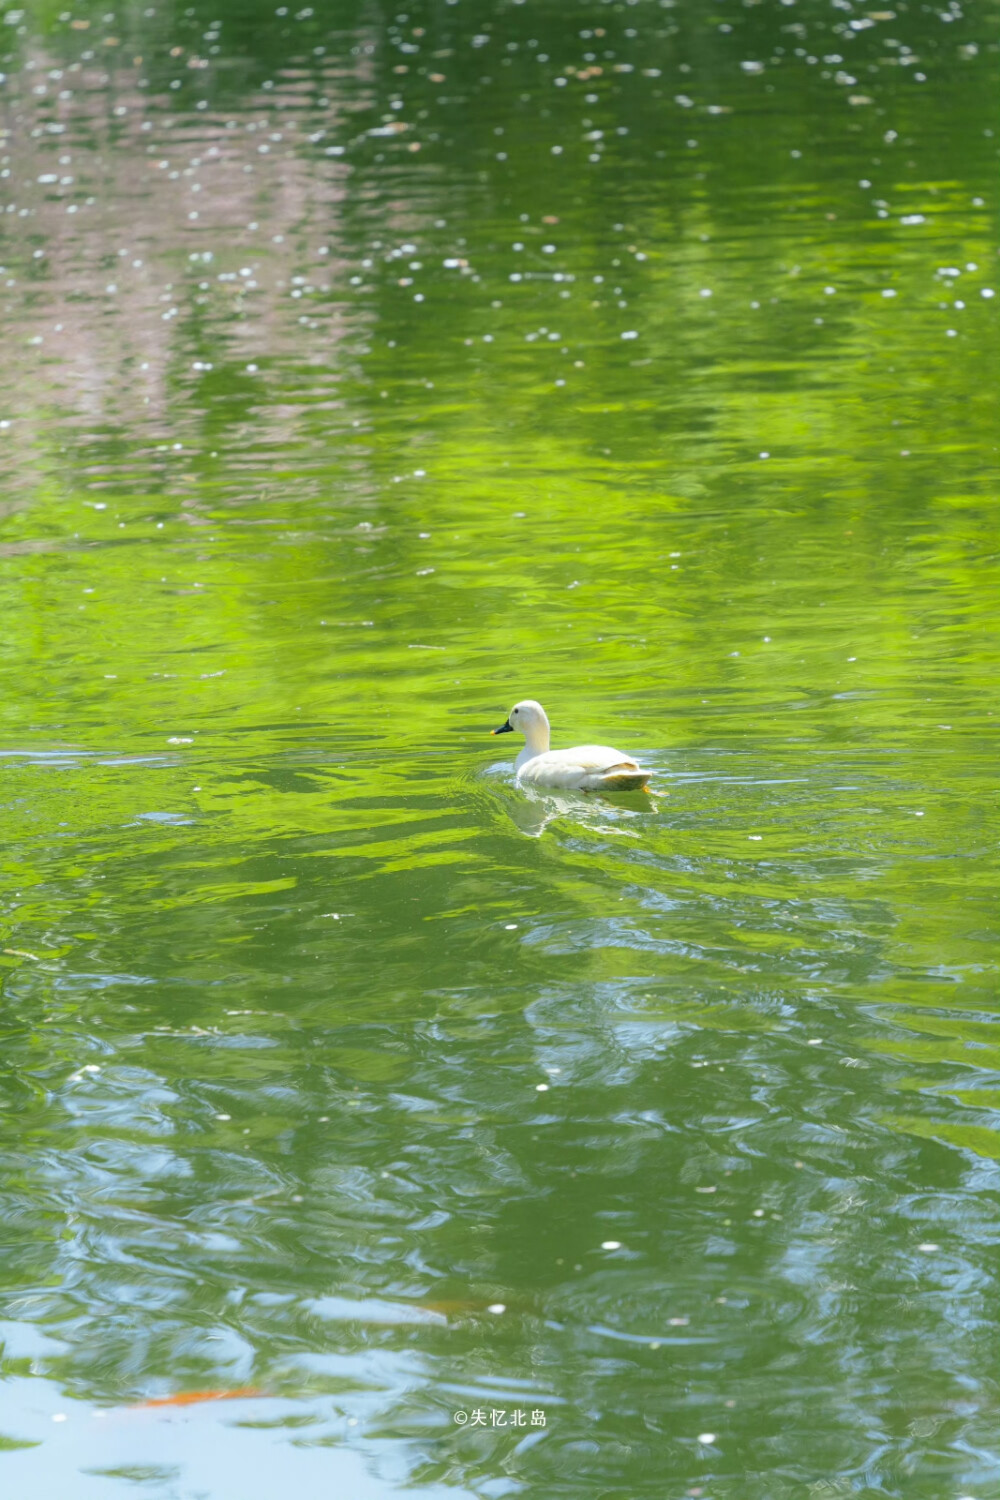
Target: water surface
(366, 371)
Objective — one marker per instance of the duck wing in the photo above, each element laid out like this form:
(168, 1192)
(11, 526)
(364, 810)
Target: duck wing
(627, 776)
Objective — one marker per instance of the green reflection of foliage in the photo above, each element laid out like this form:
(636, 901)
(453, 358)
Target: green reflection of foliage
(351, 1033)
(980, 1139)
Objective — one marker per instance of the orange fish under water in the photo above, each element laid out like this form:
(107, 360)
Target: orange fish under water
(188, 1398)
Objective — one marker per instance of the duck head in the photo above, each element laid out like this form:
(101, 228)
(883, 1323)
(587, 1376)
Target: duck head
(531, 720)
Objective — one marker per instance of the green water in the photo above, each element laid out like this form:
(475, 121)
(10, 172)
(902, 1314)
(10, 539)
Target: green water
(360, 378)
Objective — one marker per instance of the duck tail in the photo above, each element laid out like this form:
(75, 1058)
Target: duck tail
(625, 777)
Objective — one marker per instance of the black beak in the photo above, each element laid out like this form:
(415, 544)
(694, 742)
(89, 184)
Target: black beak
(507, 728)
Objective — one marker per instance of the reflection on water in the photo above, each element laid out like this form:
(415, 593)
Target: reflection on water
(533, 810)
(367, 373)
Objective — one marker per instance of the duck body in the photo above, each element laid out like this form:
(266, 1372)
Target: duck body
(584, 768)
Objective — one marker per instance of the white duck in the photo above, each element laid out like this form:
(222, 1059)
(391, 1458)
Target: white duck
(585, 768)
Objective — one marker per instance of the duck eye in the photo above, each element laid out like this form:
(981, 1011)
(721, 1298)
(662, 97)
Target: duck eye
(515, 710)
